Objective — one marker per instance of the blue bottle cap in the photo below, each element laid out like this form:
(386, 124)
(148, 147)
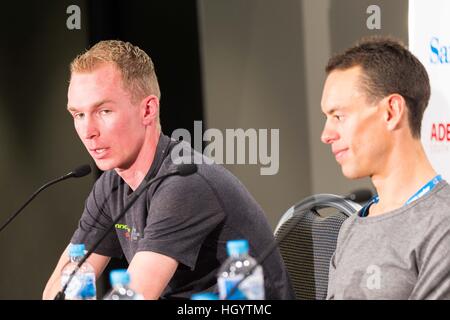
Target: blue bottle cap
(204, 296)
(119, 276)
(237, 247)
(76, 250)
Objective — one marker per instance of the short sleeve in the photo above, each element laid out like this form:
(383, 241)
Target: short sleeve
(182, 213)
(331, 275)
(96, 219)
(433, 281)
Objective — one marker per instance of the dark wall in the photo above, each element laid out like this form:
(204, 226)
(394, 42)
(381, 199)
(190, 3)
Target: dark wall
(36, 133)
(168, 32)
(38, 142)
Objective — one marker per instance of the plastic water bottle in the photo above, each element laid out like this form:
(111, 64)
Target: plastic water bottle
(235, 268)
(120, 281)
(82, 285)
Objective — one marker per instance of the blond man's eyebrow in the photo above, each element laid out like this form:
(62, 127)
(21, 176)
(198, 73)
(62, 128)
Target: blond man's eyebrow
(96, 105)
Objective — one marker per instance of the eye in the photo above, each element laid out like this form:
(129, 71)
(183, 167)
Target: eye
(105, 111)
(338, 117)
(78, 115)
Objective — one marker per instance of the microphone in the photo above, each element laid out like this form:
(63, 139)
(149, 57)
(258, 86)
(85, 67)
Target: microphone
(360, 195)
(78, 172)
(181, 170)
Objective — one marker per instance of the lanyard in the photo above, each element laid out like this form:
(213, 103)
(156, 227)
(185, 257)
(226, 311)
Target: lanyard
(421, 192)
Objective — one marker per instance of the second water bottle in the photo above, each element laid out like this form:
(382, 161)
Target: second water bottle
(120, 282)
(82, 285)
(235, 268)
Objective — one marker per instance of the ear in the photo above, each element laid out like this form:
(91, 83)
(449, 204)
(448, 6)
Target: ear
(150, 109)
(395, 111)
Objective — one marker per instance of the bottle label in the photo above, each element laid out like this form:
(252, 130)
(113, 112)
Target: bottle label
(81, 287)
(226, 285)
(253, 286)
(87, 292)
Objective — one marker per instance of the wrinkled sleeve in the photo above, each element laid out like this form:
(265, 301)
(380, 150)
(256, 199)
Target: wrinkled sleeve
(331, 275)
(433, 280)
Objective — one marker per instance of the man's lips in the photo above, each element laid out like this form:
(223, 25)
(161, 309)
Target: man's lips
(98, 152)
(339, 153)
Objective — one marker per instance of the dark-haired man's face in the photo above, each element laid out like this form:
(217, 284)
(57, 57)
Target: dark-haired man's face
(354, 127)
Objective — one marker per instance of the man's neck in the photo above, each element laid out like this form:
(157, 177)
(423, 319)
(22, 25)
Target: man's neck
(135, 174)
(401, 180)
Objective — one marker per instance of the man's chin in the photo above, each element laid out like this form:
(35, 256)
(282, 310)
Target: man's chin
(103, 165)
(352, 174)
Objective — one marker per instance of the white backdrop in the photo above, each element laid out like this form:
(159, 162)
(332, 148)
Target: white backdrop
(429, 40)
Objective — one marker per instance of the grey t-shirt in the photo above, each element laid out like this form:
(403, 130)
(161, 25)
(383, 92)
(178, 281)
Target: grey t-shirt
(187, 218)
(402, 254)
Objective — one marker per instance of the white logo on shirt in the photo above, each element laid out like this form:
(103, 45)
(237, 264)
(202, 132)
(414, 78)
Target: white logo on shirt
(373, 281)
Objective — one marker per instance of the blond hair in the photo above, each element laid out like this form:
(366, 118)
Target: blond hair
(136, 67)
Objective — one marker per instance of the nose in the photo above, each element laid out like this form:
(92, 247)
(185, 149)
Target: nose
(329, 135)
(87, 128)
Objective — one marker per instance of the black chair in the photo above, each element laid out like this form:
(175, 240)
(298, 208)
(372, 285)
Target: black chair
(307, 240)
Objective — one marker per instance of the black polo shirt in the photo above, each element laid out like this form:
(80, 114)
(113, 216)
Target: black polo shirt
(187, 218)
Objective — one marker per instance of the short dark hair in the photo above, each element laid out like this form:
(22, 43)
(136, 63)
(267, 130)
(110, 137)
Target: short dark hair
(388, 67)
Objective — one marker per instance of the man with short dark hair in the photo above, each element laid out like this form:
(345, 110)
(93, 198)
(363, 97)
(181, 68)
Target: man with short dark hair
(398, 245)
(174, 236)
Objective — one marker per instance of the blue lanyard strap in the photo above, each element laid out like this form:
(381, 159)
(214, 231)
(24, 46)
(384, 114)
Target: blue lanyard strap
(425, 189)
(421, 192)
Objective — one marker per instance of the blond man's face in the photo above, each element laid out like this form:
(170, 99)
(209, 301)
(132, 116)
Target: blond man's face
(107, 122)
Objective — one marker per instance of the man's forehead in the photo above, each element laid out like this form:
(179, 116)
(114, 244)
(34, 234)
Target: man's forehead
(345, 77)
(341, 88)
(88, 90)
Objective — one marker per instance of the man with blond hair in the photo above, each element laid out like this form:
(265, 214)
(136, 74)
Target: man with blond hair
(174, 235)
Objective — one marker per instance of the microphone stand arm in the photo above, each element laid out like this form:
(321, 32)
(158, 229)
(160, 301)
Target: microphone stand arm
(15, 214)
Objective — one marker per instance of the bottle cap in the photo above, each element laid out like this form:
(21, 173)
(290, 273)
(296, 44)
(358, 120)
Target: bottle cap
(76, 250)
(204, 296)
(237, 247)
(119, 276)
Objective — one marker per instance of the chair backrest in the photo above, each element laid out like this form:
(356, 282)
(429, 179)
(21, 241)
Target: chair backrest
(307, 241)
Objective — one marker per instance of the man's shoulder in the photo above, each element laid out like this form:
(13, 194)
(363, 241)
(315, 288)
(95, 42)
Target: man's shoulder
(442, 194)
(347, 225)
(210, 180)
(209, 170)
(438, 202)
(206, 178)
(430, 215)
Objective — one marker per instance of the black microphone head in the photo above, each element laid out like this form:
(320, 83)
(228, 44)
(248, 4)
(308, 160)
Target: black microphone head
(186, 169)
(360, 196)
(81, 171)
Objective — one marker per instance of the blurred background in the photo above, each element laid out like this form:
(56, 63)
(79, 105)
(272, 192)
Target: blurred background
(228, 63)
